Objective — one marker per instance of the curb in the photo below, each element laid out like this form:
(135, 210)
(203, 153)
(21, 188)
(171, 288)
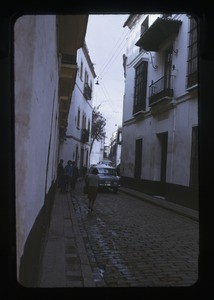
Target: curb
(85, 264)
(188, 212)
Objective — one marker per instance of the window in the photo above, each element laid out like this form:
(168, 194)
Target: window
(86, 76)
(78, 118)
(83, 121)
(192, 54)
(81, 70)
(89, 125)
(91, 85)
(144, 27)
(140, 87)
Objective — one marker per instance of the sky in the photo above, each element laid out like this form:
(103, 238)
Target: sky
(106, 42)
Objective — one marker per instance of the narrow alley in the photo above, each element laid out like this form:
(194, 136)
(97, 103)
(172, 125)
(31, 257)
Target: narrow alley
(125, 242)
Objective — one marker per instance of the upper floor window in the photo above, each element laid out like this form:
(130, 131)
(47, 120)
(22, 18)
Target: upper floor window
(86, 76)
(89, 124)
(192, 54)
(78, 118)
(140, 87)
(81, 70)
(144, 27)
(83, 121)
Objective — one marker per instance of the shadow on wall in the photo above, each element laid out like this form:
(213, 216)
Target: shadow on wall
(31, 259)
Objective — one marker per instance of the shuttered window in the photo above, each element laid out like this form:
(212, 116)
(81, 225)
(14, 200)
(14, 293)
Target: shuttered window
(140, 87)
(192, 55)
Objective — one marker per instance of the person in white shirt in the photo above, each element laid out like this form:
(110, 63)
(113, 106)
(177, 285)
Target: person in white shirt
(92, 181)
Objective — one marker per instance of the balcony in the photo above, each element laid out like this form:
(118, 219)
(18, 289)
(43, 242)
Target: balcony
(85, 136)
(162, 30)
(161, 90)
(87, 92)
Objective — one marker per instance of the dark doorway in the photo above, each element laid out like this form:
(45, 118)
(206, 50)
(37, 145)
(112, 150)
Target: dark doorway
(194, 159)
(81, 157)
(163, 138)
(138, 158)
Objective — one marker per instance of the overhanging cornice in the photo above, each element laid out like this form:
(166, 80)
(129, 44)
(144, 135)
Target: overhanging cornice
(158, 33)
(71, 32)
(71, 36)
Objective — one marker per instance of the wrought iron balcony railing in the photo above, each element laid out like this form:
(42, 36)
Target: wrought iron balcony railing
(161, 89)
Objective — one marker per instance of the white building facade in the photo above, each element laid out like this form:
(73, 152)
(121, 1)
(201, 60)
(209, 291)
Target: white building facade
(160, 114)
(115, 147)
(97, 152)
(45, 49)
(76, 143)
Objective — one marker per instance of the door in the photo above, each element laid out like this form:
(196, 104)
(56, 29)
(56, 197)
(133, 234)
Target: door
(194, 159)
(138, 158)
(81, 157)
(163, 142)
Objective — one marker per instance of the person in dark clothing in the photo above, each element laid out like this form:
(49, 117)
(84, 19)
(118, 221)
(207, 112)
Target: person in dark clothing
(84, 171)
(61, 176)
(75, 174)
(69, 175)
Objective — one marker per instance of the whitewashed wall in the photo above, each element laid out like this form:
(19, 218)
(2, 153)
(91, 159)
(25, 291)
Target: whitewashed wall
(177, 121)
(97, 152)
(36, 118)
(78, 101)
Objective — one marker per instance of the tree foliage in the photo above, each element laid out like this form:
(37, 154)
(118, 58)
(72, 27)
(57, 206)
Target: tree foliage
(98, 126)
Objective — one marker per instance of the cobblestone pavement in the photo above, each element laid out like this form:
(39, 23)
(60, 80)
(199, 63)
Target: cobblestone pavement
(131, 242)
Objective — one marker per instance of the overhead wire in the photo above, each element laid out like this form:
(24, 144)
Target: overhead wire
(117, 49)
(107, 64)
(115, 53)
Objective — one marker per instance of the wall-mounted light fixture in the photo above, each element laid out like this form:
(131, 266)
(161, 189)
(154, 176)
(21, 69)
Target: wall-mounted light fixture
(154, 66)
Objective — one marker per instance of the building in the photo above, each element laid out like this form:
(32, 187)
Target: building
(75, 145)
(115, 147)
(44, 77)
(97, 152)
(160, 115)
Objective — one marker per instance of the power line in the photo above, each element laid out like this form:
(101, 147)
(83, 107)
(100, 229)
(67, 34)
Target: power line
(115, 54)
(124, 33)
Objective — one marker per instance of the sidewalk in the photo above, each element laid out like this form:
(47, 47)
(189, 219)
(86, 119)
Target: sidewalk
(64, 261)
(191, 213)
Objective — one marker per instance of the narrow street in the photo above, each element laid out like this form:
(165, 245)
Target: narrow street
(131, 242)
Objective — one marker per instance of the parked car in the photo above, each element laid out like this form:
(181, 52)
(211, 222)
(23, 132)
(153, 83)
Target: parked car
(108, 177)
(106, 162)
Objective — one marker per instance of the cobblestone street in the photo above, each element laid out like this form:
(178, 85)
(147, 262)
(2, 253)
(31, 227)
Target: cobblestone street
(131, 242)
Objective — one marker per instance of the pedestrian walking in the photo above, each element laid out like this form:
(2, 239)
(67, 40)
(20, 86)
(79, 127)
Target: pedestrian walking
(69, 172)
(75, 174)
(92, 181)
(84, 171)
(61, 176)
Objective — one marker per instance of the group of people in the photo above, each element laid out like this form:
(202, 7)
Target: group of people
(67, 176)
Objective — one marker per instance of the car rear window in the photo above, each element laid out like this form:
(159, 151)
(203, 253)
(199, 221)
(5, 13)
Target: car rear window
(107, 171)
